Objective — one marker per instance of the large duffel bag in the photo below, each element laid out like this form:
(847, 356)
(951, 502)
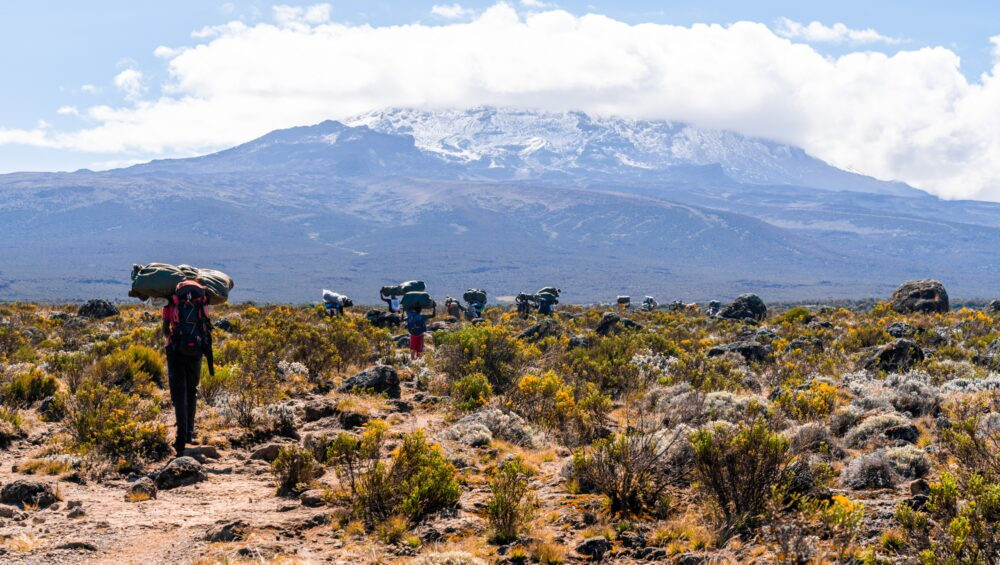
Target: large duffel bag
(391, 290)
(158, 280)
(412, 286)
(416, 301)
(624, 300)
(547, 297)
(474, 295)
(217, 284)
(550, 290)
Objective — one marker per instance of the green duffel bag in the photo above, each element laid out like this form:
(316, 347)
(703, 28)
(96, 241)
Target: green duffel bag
(217, 285)
(391, 290)
(156, 280)
(550, 290)
(416, 300)
(474, 295)
(547, 297)
(624, 300)
(412, 286)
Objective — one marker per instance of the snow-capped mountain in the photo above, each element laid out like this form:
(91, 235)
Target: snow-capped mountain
(522, 144)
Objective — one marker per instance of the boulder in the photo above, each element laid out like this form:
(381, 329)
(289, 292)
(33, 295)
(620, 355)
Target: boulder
(318, 408)
(993, 307)
(97, 309)
(920, 487)
(920, 296)
(578, 341)
(900, 329)
(745, 306)
(906, 432)
(750, 350)
(896, 356)
(612, 323)
(545, 328)
(594, 548)
(312, 498)
(227, 532)
(991, 358)
(180, 472)
(223, 324)
(24, 492)
(379, 380)
(142, 489)
(267, 453)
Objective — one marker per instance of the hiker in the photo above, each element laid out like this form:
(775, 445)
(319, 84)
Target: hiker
(546, 299)
(524, 303)
(649, 304)
(334, 303)
(188, 333)
(392, 301)
(714, 307)
(624, 302)
(453, 307)
(416, 324)
(476, 300)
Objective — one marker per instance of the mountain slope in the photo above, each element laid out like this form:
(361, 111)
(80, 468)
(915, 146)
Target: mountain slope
(499, 199)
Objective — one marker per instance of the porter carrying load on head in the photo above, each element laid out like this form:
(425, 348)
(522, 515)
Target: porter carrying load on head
(546, 299)
(624, 301)
(453, 307)
(334, 303)
(392, 294)
(649, 304)
(188, 333)
(476, 300)
(524, 303)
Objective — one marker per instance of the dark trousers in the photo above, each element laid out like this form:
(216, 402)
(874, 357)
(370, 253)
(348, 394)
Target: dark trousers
(184, 372)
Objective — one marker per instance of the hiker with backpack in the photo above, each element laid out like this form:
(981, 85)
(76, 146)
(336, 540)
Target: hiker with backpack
(524, 302)
(649, 304)
(188, 333)
(334, 303)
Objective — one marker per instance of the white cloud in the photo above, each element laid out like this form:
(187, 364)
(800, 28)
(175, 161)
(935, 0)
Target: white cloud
(294, 16)
(911, 116)
(451, 11)
(90, 89)
(68, 111)
(130, 82)
(817, 32)
(538, 4)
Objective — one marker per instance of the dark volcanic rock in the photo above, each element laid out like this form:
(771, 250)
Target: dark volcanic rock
(318, 408)
(896, 357)
(900, 329)
(180, 472)
(750, 350)
(612, 323)
(267, 453)
(380, 380)
(545, 328)
(993, 306)
(23, 492)
(97, 309)
(578, 341)
(144, 487)
(745, 306)
(991, 358)
(907, 432)
(594, 548)
(920, 296)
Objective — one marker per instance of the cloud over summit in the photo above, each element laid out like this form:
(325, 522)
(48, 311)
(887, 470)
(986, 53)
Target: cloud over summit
(911, 116)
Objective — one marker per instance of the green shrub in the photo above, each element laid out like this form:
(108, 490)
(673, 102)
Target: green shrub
(213, 388)
(136, 369)
(510, 507)
(11, 340)
(738, 466)
(11, 425)
(633, 470)
(28, 387)
(119, 425)
(608, 363)
(417, 480)
(295, 469)
(488, 349)
(471, 392)
(576, 414)
(958, 524)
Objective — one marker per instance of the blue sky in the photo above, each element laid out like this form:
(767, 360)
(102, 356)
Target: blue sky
(66, 55)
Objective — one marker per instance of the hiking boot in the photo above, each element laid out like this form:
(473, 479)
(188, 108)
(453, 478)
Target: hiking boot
(179, 449)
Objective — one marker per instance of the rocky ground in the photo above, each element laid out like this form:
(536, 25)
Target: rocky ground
(876, 430)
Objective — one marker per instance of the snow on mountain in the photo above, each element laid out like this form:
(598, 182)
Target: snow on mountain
(531, 144)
